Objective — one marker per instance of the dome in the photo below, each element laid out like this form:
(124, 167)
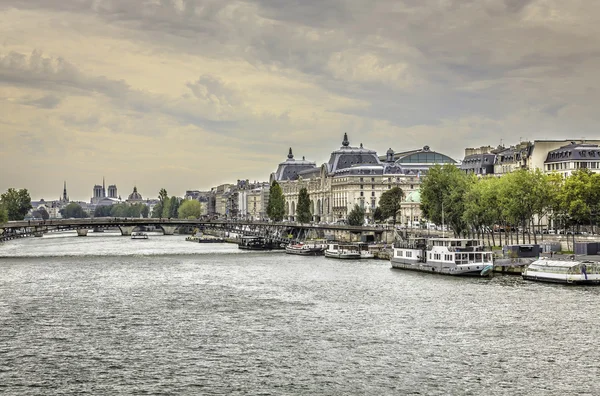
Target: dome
(414, 197)
(135, 195)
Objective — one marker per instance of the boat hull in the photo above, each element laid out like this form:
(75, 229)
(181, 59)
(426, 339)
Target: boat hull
(304, 252)
(570, 280)
(343, 256)
(476, 270)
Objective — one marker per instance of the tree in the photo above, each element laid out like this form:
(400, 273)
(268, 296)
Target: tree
(276, 205)
(16, 203)
(41, 213)
(190, 209)
(378, 215)
(581, 196)
(145, 211)
(103, 211)
(390, 202)
(442, 196)
(356, 217)
(73, 210)
(158, 209)
(3, 214)
(303, 214)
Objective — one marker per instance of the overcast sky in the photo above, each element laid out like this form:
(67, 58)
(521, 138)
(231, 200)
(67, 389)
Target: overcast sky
(187, 94)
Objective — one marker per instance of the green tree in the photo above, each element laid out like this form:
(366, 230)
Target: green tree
(16, 203)
(276, 205)
(158, 209)
(73, 210)
(3, 214)
(378, 215)
(581, 196)
(390, 202)
(41, 213)
(303, 214)
(145, 211)
(190, 209)
(442, 196)
(356, 217)
(103, 211)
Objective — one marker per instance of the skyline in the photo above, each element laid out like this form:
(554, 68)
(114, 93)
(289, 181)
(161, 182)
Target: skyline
(192, 94)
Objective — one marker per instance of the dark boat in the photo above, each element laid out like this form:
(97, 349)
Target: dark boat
(258, 243)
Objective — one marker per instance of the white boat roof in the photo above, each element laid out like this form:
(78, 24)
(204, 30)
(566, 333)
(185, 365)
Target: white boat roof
(559, 263)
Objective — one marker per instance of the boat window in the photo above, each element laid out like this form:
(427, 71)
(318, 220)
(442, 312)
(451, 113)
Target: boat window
(477, 256)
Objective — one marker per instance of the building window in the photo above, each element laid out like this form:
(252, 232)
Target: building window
(373, 194)
(361, 186)
(361, 180)
(372, 186)
(362, 193)
(372, 179)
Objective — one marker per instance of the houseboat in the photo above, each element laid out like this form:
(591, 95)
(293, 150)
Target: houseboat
(563, 271)
(448, 256)
(309, 248)
(257, 243)
(343, 251)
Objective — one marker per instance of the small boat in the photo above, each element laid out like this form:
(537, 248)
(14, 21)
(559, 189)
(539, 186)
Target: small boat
(563, 271)
(343, 251)
(305, 249)
(257, 243)
(139, 235)
(448, 256)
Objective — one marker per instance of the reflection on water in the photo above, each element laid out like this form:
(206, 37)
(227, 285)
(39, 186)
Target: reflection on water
(105, 314)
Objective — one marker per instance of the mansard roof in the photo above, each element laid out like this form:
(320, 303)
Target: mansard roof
(574, 152)
(291, 168)
(351, 157)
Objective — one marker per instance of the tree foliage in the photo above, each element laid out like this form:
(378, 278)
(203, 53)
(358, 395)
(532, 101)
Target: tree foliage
(3, 214)
(442, 196)
(17, 203)
(158, 209)
(190, 209)
(390, 202)
(580, 196)
(378, 215)
(122, 210)
(73, 210)
(303, 214)
(276, 205)
(41, 213)
(356, 217)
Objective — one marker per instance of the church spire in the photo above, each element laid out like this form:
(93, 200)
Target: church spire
(64, 196)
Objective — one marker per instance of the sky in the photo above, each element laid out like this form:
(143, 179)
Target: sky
(190, 94)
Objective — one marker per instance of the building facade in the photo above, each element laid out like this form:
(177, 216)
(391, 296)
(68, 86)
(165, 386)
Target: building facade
(352, 176)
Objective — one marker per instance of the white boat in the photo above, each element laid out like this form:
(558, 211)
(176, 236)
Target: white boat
(448, 256)
(343, 251)
(563, 271)
(365, 253)
(139, 235)
(309, 248)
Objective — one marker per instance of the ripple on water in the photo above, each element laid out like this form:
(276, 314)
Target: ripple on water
(93, 315)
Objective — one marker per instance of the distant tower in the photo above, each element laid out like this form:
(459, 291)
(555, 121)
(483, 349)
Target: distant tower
(65, 197)
(112, 191)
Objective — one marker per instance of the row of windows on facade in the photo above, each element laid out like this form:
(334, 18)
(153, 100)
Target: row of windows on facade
(573, 165)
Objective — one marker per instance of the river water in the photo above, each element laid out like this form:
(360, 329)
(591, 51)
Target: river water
(105, 314)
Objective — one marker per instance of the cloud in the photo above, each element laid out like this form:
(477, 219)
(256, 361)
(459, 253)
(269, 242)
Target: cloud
(251, 78)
